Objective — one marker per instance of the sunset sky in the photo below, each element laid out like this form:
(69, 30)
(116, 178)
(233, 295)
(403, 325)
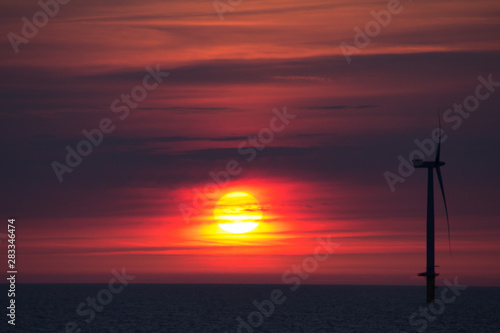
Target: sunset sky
(320, 175)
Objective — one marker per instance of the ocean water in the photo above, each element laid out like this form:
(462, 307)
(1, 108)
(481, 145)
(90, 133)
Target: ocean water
(215, 308)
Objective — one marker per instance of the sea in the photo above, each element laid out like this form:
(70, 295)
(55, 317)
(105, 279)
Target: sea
(204, 308)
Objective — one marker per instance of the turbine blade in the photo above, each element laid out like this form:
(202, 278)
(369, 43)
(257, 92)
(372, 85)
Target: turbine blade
(438, 151)
(438, 171)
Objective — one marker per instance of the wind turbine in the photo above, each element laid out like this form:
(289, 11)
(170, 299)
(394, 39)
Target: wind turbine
(431, 274)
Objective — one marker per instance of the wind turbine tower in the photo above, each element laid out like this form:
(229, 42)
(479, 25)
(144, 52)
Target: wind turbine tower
(431, 274)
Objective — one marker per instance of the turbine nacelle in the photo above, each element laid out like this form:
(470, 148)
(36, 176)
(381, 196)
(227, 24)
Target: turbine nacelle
(418, 163)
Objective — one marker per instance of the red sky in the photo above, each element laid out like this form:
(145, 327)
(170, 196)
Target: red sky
(323, 175)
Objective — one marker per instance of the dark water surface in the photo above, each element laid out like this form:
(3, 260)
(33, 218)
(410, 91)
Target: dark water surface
(216, 308)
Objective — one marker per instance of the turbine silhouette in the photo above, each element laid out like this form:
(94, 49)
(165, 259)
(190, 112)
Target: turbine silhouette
(431, 274)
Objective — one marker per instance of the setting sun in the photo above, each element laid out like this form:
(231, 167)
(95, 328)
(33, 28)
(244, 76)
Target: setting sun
(238, 212)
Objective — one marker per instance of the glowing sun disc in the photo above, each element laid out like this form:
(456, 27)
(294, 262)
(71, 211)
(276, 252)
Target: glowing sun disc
(237, 212)
(238, 227)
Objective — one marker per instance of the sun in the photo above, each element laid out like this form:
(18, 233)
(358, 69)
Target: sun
(238, 212)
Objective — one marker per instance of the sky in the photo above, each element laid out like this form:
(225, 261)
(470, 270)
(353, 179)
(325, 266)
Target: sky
(334, 127)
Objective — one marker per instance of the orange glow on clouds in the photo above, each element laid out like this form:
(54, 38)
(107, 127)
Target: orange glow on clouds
(321, 176)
